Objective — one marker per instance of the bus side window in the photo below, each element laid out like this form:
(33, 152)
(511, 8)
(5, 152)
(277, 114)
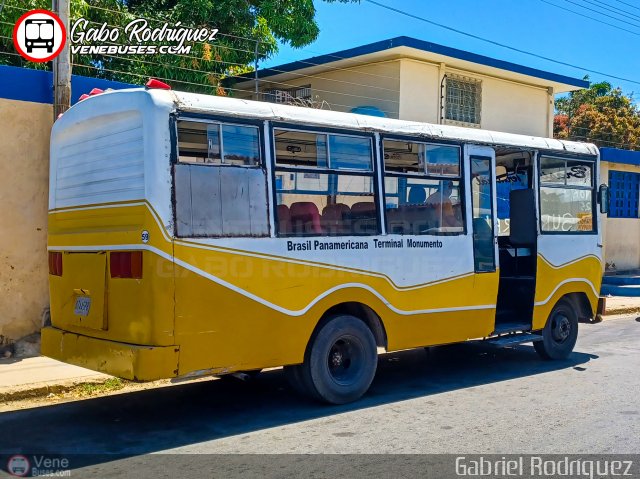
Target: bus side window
(422, 188)
(220, 183)
(566, 195)
(324, 184)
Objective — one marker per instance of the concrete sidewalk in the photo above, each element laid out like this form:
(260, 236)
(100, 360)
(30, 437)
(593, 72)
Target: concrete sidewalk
(40, 376)
(616, 305)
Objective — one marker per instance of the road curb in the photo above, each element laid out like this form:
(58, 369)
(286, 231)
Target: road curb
(620, 311)
(43, 390)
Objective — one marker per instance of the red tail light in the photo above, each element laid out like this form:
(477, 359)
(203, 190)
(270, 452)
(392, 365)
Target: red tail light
(55, 263)
(125, 264)
(95, 91)
(83, 97)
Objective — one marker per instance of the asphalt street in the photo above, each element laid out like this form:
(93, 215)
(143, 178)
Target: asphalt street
(468, 398)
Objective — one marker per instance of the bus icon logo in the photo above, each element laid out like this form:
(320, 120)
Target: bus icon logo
(39, 36)
(18, 465)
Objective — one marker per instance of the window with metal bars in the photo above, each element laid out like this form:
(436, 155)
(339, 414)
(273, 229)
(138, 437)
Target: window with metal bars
(278, 95)
(463, 99)
(624, 194)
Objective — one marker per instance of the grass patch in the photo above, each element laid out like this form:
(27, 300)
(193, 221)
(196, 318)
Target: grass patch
(92, 389)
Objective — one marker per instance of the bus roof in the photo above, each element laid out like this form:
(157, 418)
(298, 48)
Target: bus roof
(250, 109)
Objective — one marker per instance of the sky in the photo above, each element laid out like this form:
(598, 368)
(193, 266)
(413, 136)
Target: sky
(534, 26)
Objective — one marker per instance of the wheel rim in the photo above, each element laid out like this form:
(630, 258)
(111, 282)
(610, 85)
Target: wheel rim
(560, 328)
(345, 359)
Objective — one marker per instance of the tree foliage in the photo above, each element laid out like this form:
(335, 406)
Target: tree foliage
(244, 26)
(600, 114)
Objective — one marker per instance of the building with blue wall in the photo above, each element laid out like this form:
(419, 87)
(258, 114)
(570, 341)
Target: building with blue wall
(621, 171)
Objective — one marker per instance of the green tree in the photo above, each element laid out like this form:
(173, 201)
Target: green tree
(600, 114)
(243, 25)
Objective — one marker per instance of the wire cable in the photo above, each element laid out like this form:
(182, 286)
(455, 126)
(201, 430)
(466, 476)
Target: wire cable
(628, 4)
(542, 57)
(635, 25)
(618, 11)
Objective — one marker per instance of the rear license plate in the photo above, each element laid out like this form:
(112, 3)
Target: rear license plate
(83, 303)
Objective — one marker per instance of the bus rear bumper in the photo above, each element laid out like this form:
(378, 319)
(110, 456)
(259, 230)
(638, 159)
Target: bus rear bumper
(127, 361)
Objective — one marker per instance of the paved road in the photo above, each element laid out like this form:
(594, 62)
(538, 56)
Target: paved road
(467, 398)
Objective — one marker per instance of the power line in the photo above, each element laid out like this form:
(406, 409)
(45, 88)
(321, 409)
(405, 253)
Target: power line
(628, 4)
(590, 18)
(616, 9)
(502, 44)
(635, 25)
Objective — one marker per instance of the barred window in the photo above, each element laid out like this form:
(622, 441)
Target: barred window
(463, 99)
(278, 95)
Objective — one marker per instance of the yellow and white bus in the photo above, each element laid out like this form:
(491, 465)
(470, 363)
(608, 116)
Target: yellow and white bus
(193, 235)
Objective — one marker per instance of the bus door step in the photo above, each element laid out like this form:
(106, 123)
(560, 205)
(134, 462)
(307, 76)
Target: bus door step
(513, 339)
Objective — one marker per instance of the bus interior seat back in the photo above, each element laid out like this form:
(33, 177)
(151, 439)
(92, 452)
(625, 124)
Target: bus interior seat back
(336, 219)
(522, 218)
(284, 219)
(421, 218)
(305, 217)
(364, 217)
(397, 222)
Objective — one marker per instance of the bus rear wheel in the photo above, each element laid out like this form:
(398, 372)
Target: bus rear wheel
(560, 333)
(340, 363)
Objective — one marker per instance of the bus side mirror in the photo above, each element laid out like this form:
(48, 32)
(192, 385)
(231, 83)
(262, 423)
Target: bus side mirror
(603, 198)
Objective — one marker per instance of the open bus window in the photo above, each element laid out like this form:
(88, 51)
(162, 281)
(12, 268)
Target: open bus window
(421, 195)
(300, 148)
(566, 195)
(421, 158)
(324, 184)
(218, 144)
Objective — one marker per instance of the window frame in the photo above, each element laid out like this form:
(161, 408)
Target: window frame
(220, 120)
(305, 128)
(494, 213)
(181, 115)
(460, 178)
(594, 172)
(467, 79)
(611, 193)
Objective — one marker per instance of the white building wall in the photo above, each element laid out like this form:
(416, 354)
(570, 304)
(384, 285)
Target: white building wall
(419, 91)
(512, 107)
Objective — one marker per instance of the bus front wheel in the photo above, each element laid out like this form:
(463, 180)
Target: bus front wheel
(340, 363)
(560, 333)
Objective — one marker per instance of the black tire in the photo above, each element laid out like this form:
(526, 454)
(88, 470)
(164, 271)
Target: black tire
(560, 333)
(341, 361)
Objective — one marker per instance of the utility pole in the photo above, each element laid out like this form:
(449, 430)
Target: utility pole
(62, 64)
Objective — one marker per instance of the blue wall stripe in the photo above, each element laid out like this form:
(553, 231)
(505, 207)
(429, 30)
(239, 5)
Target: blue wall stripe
(26, 84)
(616, 155)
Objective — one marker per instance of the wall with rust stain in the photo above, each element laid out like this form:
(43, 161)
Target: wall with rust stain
(24, 176)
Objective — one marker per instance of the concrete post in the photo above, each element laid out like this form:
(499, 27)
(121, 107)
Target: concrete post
(62, 65)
